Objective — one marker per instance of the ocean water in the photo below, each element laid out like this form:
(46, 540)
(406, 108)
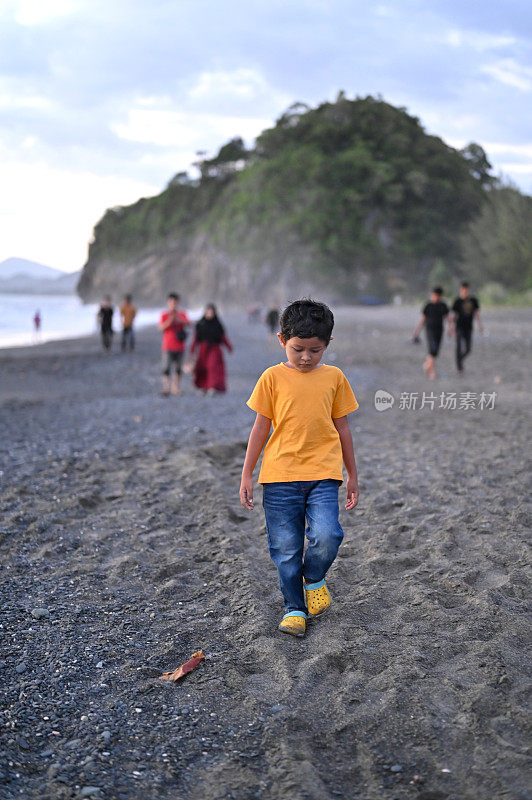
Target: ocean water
(62, 317)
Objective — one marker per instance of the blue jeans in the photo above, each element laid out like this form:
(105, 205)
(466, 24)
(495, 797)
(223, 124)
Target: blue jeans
(292, 510)
(128, 338)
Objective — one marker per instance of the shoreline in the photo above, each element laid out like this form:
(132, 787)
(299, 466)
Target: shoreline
(28, 338)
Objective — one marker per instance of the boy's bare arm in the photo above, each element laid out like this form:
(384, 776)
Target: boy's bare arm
(451, 321)
(257, 440)
(417, 329)
(166, 324)
(346, 440)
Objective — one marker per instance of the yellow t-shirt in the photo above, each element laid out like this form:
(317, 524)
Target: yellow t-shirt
(304, 445)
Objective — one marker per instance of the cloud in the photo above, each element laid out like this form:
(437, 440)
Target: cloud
(167, 128)
(195, 117)
(477, 40)
(489, 17)
(130, 90)
(513, 160)
(38, 12)
(509, 161)
(384, 11)
(52, 222)
(511, 74)
(239, 87)
(238, 83)
(523, 169)
(16, 100)
(503, 148)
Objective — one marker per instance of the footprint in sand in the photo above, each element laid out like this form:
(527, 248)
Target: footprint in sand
(170, 571)
(90, 500)
(234, 517)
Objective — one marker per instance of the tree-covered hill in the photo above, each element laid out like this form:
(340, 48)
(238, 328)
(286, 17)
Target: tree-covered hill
(349, 198)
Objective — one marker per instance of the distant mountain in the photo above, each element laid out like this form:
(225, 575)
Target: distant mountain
(66, 282)
(21, 266)
(20, 276)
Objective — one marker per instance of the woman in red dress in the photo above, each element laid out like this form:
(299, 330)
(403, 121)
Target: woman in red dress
(209, 369)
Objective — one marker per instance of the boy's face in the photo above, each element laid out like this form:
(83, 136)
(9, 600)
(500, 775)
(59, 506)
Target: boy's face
(172, 304)
(434, 297)
(303, 354)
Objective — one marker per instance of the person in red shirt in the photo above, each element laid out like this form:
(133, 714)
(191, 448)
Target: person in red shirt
(173, 324)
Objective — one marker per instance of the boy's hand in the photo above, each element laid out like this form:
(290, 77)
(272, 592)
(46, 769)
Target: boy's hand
(352, 494)
(246, 493)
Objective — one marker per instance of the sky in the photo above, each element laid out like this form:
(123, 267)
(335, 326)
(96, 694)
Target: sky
(103, 101)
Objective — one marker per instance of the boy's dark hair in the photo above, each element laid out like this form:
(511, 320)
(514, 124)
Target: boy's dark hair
(465, 284)
(438, 290)
(305, 319)
(128, 298)
(174, 296)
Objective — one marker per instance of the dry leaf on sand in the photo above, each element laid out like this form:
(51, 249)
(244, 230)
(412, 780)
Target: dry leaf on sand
(188, 666)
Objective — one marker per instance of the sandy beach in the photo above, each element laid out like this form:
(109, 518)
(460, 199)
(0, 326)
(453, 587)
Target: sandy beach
(120, 519)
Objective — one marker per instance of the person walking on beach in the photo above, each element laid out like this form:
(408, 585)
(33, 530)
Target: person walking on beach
(209, 369)
(173, 324)
(105, 320)
(128, 313)
(37, 319)
(432, 317)
(465, 307)
(272, 320)
(307, 402)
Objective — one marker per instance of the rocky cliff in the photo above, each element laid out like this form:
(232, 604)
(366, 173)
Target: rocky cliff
(351, 197)
(195, 267)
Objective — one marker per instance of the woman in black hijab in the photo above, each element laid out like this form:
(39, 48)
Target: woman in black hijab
(209, 369)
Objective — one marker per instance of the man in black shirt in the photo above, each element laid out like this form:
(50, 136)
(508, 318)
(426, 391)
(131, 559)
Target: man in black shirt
(432, 316)
(105, 319)
(465, 307)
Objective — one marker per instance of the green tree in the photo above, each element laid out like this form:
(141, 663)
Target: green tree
(350, 194)
(498, 245)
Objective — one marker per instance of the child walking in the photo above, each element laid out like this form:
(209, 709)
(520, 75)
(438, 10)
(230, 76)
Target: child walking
(307, 402)
(432, 317)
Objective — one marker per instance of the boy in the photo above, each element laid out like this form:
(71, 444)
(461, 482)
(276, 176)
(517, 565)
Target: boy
(432, 318)
(465, 307)
(308, 403)
(128, 312)
(173, 325)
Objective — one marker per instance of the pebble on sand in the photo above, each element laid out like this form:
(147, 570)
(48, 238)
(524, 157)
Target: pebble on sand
(40, 613)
